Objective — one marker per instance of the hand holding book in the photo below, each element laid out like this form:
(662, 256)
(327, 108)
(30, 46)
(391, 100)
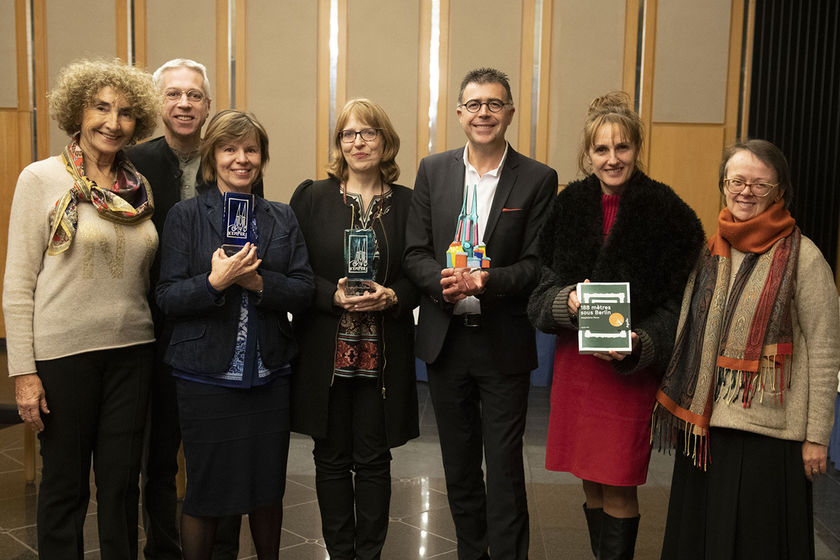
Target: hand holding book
(618, 356)
(603, 318)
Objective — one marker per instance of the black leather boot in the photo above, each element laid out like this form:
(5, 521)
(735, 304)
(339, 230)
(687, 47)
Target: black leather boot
(618, 537)
(594, 518)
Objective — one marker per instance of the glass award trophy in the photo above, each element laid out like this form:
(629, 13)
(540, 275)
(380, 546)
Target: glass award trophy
(359, 263)
(238, 212)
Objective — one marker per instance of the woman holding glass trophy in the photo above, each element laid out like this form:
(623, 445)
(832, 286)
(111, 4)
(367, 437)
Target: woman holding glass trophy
(353, 384)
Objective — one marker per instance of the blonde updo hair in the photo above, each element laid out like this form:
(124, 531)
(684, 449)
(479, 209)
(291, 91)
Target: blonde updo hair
(79, 82)
(616, 107)
(373, 115)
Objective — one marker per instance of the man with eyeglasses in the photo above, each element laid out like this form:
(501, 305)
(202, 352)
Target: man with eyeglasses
(171, 164)
(473, 331)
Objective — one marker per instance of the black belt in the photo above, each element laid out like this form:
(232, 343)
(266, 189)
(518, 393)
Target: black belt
(471, 320)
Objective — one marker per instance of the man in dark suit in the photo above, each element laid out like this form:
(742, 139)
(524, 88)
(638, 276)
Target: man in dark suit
(171, 165)
(473, 331)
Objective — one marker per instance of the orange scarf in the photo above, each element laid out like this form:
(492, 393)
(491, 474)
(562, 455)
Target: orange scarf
(756, 235)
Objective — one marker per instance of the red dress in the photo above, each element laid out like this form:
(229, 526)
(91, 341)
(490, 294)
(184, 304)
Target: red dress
(599, 424)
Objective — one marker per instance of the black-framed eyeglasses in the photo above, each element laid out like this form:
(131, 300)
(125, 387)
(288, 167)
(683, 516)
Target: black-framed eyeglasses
(193, 95)
(349, 136)
(494, 105)
(735, 186)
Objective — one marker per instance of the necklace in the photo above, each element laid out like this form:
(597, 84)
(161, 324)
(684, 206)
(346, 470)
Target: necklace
(364, 211)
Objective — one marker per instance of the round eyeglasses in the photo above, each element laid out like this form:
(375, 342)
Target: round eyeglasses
(736, 186)
(368, 135)
(494, 105)
(193, 95)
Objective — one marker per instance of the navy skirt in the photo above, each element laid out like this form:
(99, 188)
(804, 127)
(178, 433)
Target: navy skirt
(236, 443)
(753, 502)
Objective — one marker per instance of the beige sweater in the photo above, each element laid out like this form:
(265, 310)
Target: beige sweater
(91, 297)
(807, 412)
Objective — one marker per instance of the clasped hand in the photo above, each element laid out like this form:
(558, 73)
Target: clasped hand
(378, 299)
(459, 283)
(240, 268)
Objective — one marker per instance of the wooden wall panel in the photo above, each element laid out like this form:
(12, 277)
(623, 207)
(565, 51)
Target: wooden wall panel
(692, 48)
(64, 24)
(9, 169)
(583, 67)
(166, 37)
(281, 88)
(382, 65)
(686, 157)
(482, 33)
(181, 30)
(8, 56)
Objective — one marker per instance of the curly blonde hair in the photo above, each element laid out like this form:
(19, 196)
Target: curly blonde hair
(79, 82)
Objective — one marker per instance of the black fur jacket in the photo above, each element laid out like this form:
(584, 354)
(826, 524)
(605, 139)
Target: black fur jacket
(653, 244)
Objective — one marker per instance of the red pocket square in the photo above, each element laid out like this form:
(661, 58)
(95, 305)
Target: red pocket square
(511, 209)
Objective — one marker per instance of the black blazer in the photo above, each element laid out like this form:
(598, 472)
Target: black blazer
(159, 165)
(323, 216)
(205, 326)
(522, 199)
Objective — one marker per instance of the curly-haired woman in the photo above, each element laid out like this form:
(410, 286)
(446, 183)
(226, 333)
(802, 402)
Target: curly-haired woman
(79, 332)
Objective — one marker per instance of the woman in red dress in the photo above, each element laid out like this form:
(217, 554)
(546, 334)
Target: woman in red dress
(616, 225)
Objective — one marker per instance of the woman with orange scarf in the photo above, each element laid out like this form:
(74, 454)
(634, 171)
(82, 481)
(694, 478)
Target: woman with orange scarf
(747, 397)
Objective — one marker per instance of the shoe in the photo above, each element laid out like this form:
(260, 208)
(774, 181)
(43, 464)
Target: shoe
(618, 537)
(594, 518)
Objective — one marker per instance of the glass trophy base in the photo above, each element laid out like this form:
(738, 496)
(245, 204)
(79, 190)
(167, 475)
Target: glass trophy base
(357, 287)
(231, 249)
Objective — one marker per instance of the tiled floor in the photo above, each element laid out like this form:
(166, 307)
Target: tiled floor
(421, 526)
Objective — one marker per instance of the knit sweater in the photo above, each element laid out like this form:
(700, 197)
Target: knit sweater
(807, 411)
(90, 297)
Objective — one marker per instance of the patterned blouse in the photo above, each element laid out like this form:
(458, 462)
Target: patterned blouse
(357, 350)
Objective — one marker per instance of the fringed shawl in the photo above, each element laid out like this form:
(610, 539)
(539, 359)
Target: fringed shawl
(732, 342)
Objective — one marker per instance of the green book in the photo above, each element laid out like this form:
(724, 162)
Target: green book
(604, 317)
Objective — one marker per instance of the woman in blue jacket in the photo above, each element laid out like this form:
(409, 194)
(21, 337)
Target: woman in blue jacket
(231, 340)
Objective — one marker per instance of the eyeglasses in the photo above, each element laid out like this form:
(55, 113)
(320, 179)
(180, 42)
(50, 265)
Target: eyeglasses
(735, 186)
(193, 95)
(474, 105)
(349, 136)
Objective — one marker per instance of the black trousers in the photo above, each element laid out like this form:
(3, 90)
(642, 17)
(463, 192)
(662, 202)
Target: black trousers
(354, 509)
(97, 403)
(481, 410)
(159, 467)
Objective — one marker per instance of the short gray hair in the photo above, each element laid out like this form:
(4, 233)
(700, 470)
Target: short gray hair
(182, 63)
